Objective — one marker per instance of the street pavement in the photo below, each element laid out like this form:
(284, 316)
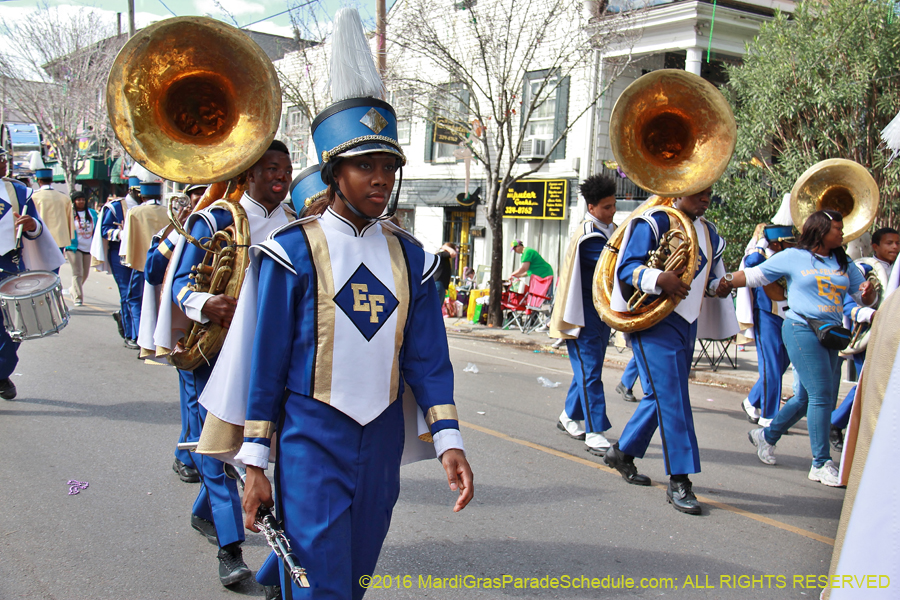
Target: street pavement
(544, 508)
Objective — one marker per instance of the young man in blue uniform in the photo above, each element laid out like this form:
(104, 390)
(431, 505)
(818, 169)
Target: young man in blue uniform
(764, 400)
(36, 250)
(576, 320)
(886, 245)
(217, 510)
(105, 249)
(664, 351)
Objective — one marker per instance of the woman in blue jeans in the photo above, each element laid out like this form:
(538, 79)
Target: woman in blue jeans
(819, 279)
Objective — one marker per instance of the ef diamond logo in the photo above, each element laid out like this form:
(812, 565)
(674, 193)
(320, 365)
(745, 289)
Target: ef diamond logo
(367, 301)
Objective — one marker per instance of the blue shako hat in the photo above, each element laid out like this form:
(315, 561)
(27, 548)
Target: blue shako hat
(307, 187)
(359, 121)
(356, 126)
(43, 174)
(134, 182)
(151, 189)
(779, 233)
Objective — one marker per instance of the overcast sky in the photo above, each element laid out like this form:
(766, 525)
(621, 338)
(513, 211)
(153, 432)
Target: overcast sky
(148, 11)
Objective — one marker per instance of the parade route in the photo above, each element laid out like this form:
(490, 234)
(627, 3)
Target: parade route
(544, 509)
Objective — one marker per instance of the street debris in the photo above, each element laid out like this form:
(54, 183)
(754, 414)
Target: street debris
(547, 383)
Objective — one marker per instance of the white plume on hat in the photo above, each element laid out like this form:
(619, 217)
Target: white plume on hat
(35, 161)
(353, 72)
(890, 135)
(138, 170)
(783, 216)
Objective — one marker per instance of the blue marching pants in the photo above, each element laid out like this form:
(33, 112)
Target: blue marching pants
(9, 357)
(190, 417)
(840, 416)
(664, 354)
(218, 500)
(585, 400)
(336, 483)
(133, 299)
(772, 363)
(122, 276)
(630, 375)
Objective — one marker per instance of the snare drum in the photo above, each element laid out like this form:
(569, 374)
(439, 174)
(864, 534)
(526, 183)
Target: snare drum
(33, 305)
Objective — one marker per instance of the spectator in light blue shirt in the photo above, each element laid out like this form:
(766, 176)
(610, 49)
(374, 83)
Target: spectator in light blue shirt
(819, 280)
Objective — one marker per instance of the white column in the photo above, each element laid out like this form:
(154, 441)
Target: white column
(693, 60)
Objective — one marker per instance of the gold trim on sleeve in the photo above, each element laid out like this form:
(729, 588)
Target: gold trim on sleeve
(259, 429)
(441, 412)
(636, 277)
(164, 250)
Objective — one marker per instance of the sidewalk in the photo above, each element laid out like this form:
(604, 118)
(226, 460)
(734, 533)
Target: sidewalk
(741, 378)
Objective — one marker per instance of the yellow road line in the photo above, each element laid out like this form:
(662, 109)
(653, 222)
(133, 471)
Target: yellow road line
(587, 463)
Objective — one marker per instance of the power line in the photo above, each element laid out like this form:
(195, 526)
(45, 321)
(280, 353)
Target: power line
(277, 14)
(167, 8)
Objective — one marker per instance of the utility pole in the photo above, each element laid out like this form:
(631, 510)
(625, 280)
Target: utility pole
(380, 27)
(131, 28)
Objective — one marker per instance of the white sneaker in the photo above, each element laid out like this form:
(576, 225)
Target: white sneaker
(571, 427)
(764, 422)
(752, 412)
(764, 450)
(827, 474)
(596, 443)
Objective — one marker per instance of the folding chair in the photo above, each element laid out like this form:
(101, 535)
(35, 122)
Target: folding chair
(715, 351)
(538, 302)
(516, 312)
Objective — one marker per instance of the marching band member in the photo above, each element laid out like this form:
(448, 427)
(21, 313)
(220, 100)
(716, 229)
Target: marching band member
(342, 318)
(576, 320)
(819, 278)
(664, 351)
(767, 317)
(886, 245)
(55, 209)
(105, 250)
(37, 250)
(161, 248)
(217, 511)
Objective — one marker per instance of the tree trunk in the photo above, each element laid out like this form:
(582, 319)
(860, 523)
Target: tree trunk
(495, 221)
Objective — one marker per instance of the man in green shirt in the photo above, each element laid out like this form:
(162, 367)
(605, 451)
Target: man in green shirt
(532, 262)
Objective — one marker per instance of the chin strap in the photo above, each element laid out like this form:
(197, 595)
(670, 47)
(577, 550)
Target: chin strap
(389, 211)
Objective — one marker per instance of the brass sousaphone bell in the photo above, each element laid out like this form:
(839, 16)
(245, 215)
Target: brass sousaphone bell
(673, 134)
(839, 184)
(197, 101)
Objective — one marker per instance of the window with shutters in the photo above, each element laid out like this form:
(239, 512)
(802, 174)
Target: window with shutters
(447, 125)
(548, 119)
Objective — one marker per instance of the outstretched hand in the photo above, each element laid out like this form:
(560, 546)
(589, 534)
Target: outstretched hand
(459, 476)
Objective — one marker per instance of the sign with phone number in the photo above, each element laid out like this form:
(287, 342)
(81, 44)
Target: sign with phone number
(537, 199)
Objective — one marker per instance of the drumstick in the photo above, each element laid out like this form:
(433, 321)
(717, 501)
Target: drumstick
(20, 229)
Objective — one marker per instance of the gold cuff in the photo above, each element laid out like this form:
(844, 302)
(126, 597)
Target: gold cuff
(259, 429)
(441, 412)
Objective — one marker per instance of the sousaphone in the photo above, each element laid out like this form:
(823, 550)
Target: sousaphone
(194, 100)
(673, 134)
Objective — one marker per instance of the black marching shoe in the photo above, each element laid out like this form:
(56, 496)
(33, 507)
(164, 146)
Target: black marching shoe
(131, 344)
(273, 592)
(624, 464)
(185, 473)
(205, 528)
(232, 568)
(117, 317)
(681, 496)
(835, 436)
(627, 394)
(7, 389)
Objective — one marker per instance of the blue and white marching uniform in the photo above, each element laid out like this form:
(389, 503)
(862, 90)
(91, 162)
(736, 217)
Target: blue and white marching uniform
(773, 360)
(853, 314)
(218, 500)
(344, 324)
(575, 320)
(664, 351)
(105, 249)
(38, 252)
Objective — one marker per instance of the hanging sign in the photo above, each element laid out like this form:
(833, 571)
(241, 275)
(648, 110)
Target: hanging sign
(537, 199)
